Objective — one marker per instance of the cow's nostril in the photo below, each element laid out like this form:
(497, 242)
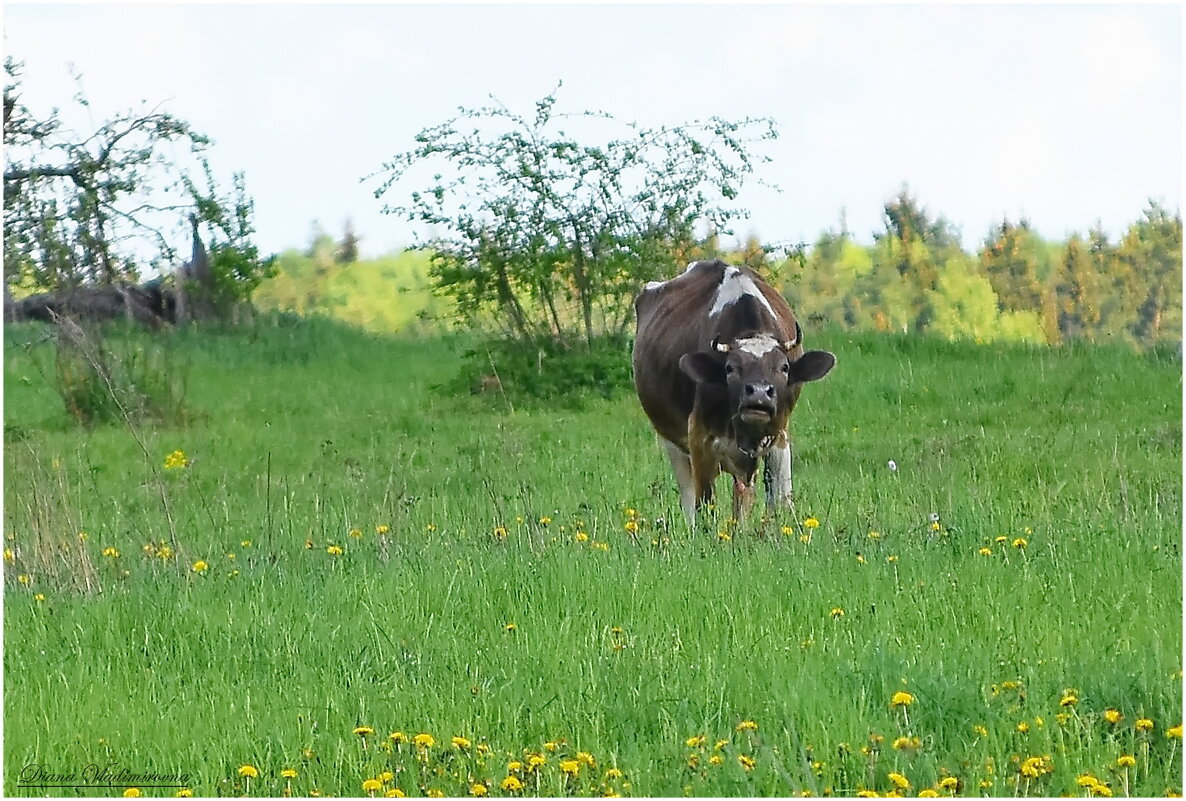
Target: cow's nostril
(749, 389)
(769, 392)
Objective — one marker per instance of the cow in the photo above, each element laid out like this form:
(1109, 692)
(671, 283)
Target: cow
(718, 366)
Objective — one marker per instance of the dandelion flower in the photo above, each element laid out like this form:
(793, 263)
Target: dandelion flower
(901, 698)
(1069, 699)
(1020, 542)
(746, 762)
(394, 792)
(288, 773)
(545, 520)
(811, 522)
(837, 612)
(176, 460)
(397, 737)
(1144, 724)
(928, 793)
(424, 740)
(510, 627)
(631, 526)
(356, 533)
(867, 794)
(132, 792)
(949, 783)
(478, 790)
(460, 743)
(585, 758)
(716, 759)
(371, 785)
(746, 725)
(1113, 716)
(581, 536)
(1126, 761)
(570, 767)
(39, 598)
(979, 730)
(248, 771)
(435, 793)
(985, 551)
(184, 792)
(382, 529)
(200, 566)
(8, 555)
(111, 553)
(899, 781)
(334, 550)
(511, 784)
(695, 742)
(1174, 732)
(613, 773)
(907, 744)
(363, 731)
(1023, 727)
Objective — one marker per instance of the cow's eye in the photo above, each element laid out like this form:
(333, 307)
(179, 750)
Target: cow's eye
(786, 367)
(730, 369)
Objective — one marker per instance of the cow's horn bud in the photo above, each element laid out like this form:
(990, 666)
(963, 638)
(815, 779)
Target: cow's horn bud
(723, 347)
(790, 343)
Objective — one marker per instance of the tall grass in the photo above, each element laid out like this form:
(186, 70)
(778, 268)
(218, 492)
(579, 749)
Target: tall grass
(380, 553)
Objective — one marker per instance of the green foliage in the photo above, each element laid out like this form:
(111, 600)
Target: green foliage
(510, 372)
(545, 235)
(625, 644)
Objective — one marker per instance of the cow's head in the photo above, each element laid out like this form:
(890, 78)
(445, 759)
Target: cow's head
(758, 377)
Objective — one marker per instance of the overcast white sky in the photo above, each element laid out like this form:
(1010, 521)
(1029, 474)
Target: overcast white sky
(1066, 114)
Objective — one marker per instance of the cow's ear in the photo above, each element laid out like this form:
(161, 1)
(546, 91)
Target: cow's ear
(703, 367)
(812, 366)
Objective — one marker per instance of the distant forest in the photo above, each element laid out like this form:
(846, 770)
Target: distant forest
(914, 277)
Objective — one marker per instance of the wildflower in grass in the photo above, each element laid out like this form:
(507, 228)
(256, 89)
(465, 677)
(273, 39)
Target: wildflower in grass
(430, 528)
(164, 552)
(551, 746)
(363, 731)
(1113, 716)
(868, 794)
(132, 792)
(500, 532)
(986, 552)
(1174, 732)
(979, 730)
(837, 611)
(478, 790)
(860, 559)
(1086, 780)
(382, 529)
(1068, 699)
(746, 725)
(176, 460)
(899, 781)
(334, 550)
(308, 545)
(891, 559)
(695, 742)
(936, 526)
(581, 536)
(570, 767)
(928, 793)
(372, 786)
(1143, 724)
(907, 744)
(716, 759)
(435, 793)
(356, 533)
(601, 546)
(787, 531)
(1020, 542)
(200, 566)
(8, 556)
(397, 737)
(248, 771)
(613, 773)
(1001, 540)
(184, 792)
(724, 536)
(424, 740)
(901, 698)
(631, 526)
(874, 535)
(511, 784)
(460, 743)
(949, 784)
(288, 773)
(545, 520)
(811, 522)
(509, 627)
(892, 465)
(514, 766)
(805, 538)
(1126, 761)
(535, 761)
(386, 776)
(585, 758)
(746, 762)
(1023, 726)
(720, 744)
(39, 598)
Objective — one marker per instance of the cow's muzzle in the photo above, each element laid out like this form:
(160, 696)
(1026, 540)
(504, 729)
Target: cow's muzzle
(757, 402)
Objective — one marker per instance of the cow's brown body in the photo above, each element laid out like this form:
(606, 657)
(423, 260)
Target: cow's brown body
(718, 366)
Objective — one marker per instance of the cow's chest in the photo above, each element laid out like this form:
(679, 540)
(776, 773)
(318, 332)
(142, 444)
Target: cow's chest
(742, 464)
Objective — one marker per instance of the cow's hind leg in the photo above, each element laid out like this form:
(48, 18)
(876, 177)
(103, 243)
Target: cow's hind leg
(776, 474)
(681, 465)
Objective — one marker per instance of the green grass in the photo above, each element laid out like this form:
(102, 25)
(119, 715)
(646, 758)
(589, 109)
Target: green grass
(623, 646)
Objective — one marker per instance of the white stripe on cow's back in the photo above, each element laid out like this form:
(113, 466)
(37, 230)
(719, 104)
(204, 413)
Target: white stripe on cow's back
(758, 346)
(735, 285)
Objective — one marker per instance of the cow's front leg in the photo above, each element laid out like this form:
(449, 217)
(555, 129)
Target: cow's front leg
(743, 497)
(776, 474)
(681, 465)
(705, 463)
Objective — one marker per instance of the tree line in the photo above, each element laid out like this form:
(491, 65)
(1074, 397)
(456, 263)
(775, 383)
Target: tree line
(916, 276)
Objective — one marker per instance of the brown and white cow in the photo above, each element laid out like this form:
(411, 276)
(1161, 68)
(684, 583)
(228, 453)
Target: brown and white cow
(718, 365)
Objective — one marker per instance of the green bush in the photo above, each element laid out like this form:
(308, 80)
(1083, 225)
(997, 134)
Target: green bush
(547, 371)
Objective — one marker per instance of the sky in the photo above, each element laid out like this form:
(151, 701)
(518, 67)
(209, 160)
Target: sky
(1063, 114)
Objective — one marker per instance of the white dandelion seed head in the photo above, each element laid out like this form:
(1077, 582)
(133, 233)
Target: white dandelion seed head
(934, 517)
(892, 465)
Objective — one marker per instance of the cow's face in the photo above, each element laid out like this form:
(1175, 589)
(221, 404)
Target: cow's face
(758, 377)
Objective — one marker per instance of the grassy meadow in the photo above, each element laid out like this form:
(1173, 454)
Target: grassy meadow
(353, 582)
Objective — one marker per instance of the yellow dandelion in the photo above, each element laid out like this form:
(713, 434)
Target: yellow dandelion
(1023, 727)
(1126, 761)
(1174, 732)
(478, 790)
(288, 773)
(363, 731)
(1144, 724)
(334, 550)
(720, 744)
(601, 546)
(874, 535)
(10, 557)
(371, 785)
(382, 529)
(551, 746)
(949, 783)
(176, 460)
(356, 533)
(837, 612)
(811, 522)
(1069, 699)
(386, 776)
(435, 793)
(899, 781)
(397, 737)
(901, 698)
(545, 520)
(184, 792)
(510, 627)
(581, 536)
(39, 598)
(511, 784)
(986, 552)
(613, 773)
(631, 526)
(1113, 716)
(787, 531)
(132, 792)
(1001, 540)
(200, 566)
(868, 794)
(979, 730)
(570, 767)
(936, 525)
(746, 725)
(746, 762)
(928, 793)
(891, 559)
(724, 536)
(695, 742)
(585, 758)
(460, 743)
(111, 553)
(424, 740)
(716, 759)
(1020, 542)
(248, 771)
(907, 743)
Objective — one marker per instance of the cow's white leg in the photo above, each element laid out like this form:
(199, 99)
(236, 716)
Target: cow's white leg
(681, 464)
(776, 475)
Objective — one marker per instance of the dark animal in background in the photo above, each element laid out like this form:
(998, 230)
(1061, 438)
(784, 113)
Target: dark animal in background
(718, 365)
